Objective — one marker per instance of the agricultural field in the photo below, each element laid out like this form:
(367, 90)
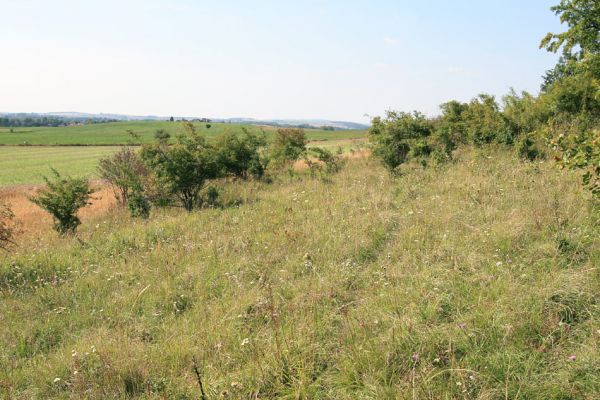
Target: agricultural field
(459, 281)
(115, 133)
(21, 165)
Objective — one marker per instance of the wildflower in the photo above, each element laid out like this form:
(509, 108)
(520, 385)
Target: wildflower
(572, 358)
(415, 357)
(245, 342)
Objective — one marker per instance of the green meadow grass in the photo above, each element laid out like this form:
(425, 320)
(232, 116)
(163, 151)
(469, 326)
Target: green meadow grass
(116, 133)
(475, 280)
(28, 164)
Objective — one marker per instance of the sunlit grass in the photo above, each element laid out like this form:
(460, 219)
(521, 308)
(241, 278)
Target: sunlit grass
(477, 279)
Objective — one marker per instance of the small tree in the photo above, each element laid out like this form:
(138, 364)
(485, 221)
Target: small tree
(289, 146)
(6, 226)
(62, 198)
(123, 170)
(183, 168)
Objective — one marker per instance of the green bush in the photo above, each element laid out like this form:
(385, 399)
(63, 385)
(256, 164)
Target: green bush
(289, 146)
(241, 156)
(182, 169)
(394, 136)
(62, 198)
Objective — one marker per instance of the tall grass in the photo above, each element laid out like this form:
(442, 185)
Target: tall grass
(476, 280)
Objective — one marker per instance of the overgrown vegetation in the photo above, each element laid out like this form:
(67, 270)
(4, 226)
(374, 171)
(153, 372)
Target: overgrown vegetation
(453, 282)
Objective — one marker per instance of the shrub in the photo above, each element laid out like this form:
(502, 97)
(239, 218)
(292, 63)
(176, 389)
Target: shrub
(6, 226)
(485, 123)
(579, 148)
(289, 146)
(393, 136)
(62, 198)
(324, 163)
(124, 170)
(241, 156)
(139, 205)
(527, 149)
(182, 169)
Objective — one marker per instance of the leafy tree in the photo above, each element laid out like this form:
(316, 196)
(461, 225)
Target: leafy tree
(392, 136)
(183, 168)
(62, 198)
(208, 126)
(240, 156)
(6, 226)
(583, 19)
(123, 170)
(171, 119)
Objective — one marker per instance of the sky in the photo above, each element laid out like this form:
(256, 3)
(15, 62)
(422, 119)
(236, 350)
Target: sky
(275, 59)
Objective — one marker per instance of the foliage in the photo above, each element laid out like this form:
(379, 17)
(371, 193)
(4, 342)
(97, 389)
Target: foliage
(183, 168)
(240, 156)
(580, 149)
(527, 148)
(6, 226)
(289, 146)
(583, 19)
(139, 204)
(392, 136)
(62, 198)
(124, 171)
(325, 162)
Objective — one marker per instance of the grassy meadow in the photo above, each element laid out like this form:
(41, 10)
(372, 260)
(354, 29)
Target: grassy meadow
(115, 133)
(462, 281)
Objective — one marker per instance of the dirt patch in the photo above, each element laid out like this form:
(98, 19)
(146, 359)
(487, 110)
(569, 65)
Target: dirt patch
(33, 219)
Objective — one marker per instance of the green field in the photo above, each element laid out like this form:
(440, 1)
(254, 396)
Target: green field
(116, 133)
(27, 164)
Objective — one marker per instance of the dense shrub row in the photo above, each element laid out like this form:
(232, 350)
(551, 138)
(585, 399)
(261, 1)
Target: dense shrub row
(564, 118)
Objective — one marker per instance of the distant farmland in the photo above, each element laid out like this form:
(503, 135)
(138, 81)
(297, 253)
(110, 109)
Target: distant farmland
(116, 133)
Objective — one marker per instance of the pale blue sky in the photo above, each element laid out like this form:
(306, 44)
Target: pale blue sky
(266, 59)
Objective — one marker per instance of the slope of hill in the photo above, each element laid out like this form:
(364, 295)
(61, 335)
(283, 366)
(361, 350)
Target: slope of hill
(455, 282)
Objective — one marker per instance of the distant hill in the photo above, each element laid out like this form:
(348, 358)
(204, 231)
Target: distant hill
(306, 123)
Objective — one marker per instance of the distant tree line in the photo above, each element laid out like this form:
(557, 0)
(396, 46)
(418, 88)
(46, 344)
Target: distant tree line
(20, 122)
